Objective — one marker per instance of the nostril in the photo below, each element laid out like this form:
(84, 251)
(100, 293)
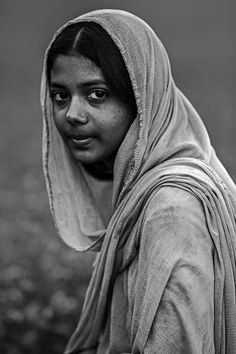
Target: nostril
(70, 119)
(80, 119)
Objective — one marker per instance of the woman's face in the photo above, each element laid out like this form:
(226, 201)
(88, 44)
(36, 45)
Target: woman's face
(90, 118)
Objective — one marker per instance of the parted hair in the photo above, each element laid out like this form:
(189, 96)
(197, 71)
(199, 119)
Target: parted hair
(90, 40)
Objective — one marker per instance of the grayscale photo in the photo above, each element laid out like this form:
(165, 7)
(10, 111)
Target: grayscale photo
(118, 195)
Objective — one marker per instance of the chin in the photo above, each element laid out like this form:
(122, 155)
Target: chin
(86, 160)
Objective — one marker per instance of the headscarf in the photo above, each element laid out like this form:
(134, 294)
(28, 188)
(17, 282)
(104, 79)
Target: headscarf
(167, 144)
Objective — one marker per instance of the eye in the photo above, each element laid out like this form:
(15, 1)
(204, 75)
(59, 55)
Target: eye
(97, 95)
(59, 96)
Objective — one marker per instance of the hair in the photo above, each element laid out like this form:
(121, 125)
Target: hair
(90, 40)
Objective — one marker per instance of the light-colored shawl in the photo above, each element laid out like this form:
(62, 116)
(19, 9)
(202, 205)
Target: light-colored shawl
(166, 145)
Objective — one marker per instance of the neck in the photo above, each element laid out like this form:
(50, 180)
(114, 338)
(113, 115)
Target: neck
(101, 170)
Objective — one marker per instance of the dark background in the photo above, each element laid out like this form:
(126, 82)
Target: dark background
(42, 281)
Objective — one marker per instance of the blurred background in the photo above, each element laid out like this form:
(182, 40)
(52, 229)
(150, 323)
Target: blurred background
(42, 281)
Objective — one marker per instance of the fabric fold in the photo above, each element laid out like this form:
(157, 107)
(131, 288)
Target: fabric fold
(167, 146)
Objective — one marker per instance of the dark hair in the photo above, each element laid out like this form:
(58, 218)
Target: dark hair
(90, 40)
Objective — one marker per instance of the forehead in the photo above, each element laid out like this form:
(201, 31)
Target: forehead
(75, 68)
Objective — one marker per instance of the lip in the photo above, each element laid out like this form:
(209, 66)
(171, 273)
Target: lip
(79, 136)
(81, 140)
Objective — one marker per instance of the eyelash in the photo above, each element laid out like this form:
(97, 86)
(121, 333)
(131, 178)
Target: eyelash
(104, 95)
(89, 96)
(54, 95)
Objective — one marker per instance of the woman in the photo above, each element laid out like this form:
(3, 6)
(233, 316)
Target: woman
(131, 173)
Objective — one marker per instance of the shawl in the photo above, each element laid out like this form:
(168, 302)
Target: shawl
(166, 145)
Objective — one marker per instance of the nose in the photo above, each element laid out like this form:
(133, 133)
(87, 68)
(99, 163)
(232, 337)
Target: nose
(75, 113)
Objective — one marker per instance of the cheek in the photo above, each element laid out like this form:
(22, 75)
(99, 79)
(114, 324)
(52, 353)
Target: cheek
(58, 117)
(119, 120)
(122, 119)
(107, 120)
(59, 124)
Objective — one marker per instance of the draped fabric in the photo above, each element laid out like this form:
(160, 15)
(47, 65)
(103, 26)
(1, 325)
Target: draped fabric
(166, 148)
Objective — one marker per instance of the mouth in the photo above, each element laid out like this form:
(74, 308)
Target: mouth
(80, 140)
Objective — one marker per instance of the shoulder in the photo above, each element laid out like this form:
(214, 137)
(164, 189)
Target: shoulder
(174, 227)
(173, 198)
(175, 206)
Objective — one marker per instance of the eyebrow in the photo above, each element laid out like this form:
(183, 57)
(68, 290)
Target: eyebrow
(82, 84)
